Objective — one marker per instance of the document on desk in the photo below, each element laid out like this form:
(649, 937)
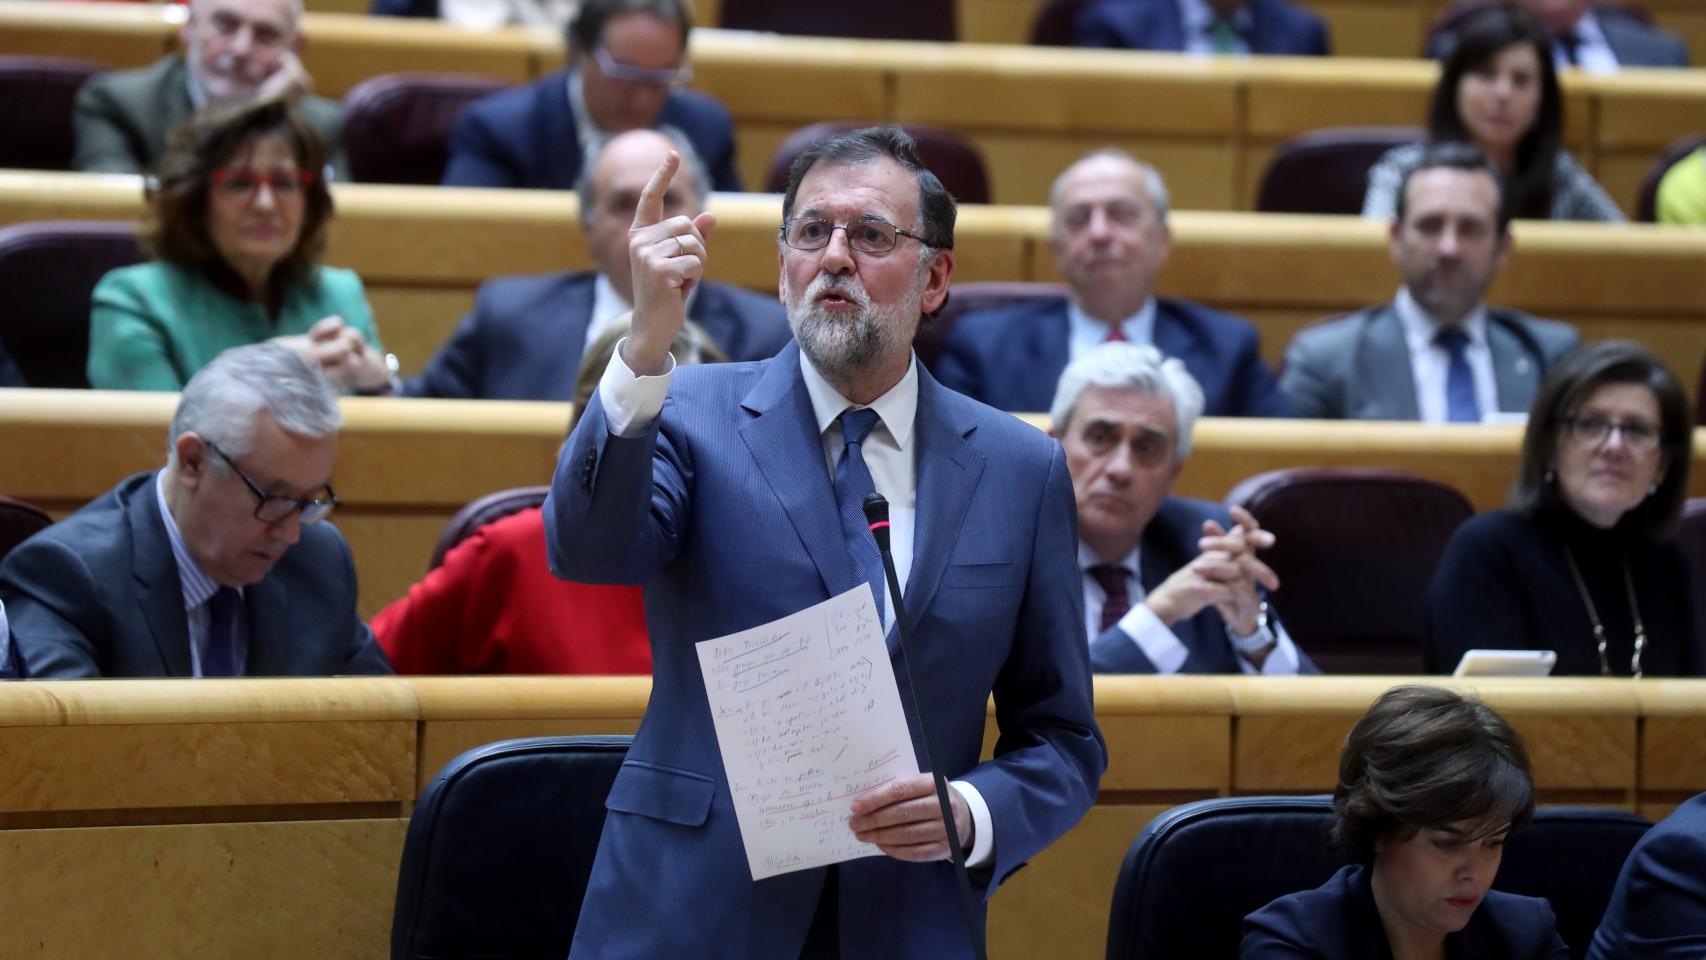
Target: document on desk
(807, 715)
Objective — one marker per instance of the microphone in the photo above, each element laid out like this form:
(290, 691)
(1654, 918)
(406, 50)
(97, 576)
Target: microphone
(877, 515)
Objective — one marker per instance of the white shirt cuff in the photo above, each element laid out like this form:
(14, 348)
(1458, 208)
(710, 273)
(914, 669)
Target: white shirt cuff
(982, 828)
(1154, 638)
(1282, 659)
(631, 403)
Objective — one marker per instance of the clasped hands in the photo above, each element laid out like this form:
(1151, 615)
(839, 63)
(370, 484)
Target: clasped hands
(1224, 575)
(340, 352)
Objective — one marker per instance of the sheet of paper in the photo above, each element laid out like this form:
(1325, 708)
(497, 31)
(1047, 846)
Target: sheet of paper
(807, 715)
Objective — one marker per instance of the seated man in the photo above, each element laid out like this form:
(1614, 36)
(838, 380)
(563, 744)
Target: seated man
(234, 51)
(1170, 585)
(214, 566)
(1110, 238)
(526, 336)
(1658, 908)
(1238, 27)
(627, 59)
(1598, 38)
(1437, 353)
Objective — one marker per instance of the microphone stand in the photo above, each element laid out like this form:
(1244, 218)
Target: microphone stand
(877, 515)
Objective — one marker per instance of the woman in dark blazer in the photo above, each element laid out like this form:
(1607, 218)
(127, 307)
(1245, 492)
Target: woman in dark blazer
(1430, 783)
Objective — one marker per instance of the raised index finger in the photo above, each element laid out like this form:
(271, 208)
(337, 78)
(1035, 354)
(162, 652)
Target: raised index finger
(650, 208)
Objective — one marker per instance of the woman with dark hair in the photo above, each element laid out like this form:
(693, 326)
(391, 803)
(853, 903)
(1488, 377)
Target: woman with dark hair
(1430, 783)
(1584, 561)
(1499, 91)
(236, 222)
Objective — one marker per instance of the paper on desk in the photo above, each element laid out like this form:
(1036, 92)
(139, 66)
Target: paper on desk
(807, 715)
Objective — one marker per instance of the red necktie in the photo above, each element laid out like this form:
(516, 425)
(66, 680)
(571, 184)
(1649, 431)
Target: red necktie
(1116, 334)
(1113, 579)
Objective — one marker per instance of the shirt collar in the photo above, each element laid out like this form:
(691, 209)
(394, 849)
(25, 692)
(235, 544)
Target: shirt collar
(197, 586)
(1138, 328)
(1420, 329)
(1088, 558)
(897, 409)
(1198, 16)
(198, 96)
(1588, 32)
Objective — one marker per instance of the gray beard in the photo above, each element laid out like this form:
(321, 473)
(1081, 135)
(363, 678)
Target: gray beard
(840, 347)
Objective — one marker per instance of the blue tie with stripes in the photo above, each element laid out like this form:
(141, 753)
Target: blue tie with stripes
(852, 485)
(1460, 403)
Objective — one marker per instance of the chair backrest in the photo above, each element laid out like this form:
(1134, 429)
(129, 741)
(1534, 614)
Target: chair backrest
(1692, 538)
(1197, 870)
(1354, 550)
(18, 522)
(1326, 171)
(49, 271)
(397, 125)
(1053, 24)
(951, 157)
(499, 849)
(36, 130)
(872, 19)
(489, 508)
(1647, 199)
(966, 298)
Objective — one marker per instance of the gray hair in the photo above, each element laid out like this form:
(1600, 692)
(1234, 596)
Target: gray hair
(692, 170)
(1131, 366)
(1152, 182)
(296, 11)
(221, 402)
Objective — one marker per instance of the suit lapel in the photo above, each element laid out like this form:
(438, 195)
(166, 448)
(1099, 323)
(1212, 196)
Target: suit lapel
(1516, 373)
(564, 338)
(560, 142)
(159, 593)
(948, 472)
(1384, 369)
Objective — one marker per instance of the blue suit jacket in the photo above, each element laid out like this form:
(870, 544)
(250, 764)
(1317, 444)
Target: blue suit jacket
(1169, 542)
(1277, 27)
(526, 137)
(1011, 357)
(1338, 921)
(724, 509)
(97, 595)
(1658, 908)
(525, 337)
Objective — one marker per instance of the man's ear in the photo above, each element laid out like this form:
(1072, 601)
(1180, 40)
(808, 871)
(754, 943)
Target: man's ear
(191, 453)
(936, 284)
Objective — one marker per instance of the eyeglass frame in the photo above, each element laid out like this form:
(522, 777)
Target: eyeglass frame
(303, 181)
(1636, 443)
(298, 505)
(782, 234)
(673, 78)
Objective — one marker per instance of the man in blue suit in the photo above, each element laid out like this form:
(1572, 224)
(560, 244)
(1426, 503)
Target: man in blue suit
(713, 487)
(1597, 38)
(1110, 239)
(526, 335)
(1658, 908)
(627, 60)
(1170, 585)
(1202, 26)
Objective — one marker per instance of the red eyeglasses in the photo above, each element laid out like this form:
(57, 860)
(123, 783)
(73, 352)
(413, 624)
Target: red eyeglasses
(245, 183)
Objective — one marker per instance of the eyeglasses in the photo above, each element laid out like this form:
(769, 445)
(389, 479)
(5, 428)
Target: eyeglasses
(271, 509)
(1591, 430)
(284, 184)
(671, 77)
(866, 236)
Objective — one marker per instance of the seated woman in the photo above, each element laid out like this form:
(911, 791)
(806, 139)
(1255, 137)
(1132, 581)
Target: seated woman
(236, 223)
(1499, 91)
(493, 605)
(1584, 561)
(1430, 783)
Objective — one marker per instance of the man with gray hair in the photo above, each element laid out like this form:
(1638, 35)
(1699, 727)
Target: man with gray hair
(1170, 585)
(526, 335)
(1110, 238)
(234, 51)
(216, 565)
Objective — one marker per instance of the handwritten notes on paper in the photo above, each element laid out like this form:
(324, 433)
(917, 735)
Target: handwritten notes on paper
(807, 715)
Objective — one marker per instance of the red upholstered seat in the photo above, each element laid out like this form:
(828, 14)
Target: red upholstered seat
(397, 125)
(1326, 171)
(49, 271)
(951, 157)
(36, 130)
(489, 508)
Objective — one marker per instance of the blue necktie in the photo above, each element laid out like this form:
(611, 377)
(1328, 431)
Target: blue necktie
(219, 656)
(852, 485)
(1460, 405)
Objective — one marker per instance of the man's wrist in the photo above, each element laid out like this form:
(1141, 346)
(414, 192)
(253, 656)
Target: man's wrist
(1256, 641)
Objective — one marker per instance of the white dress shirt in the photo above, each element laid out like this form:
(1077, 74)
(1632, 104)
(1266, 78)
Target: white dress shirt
(1196, 17)
(1593, 50)
(198, 588)
(1086, 333)
(1430, 363)
(631, 403)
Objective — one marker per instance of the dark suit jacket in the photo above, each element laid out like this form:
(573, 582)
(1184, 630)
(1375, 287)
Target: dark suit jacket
(1358, 367)
(1276, 27)
(1658, 908)
(11, 667)
(10, 375)
(1011, 357)
(525, 337)
(526, 137)
(124, 118)
(1169, 542)
(98, 595)
(1339, 921)
(1632, 42)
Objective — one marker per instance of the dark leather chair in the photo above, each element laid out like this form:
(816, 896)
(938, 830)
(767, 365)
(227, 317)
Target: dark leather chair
(1647, 199)
(36, 131)
(951, 157)
(498, 852)
(487, 509)
(397, 125)
(1197, 870)
(964, 298)
(1053, 25)
(1326, 171)
(18, 522)
(870, 19)
(49, 271)
(1355, 549)
(1692, 538)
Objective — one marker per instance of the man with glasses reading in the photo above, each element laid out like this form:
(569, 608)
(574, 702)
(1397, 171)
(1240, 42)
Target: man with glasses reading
(627, 67)
(218, 564)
